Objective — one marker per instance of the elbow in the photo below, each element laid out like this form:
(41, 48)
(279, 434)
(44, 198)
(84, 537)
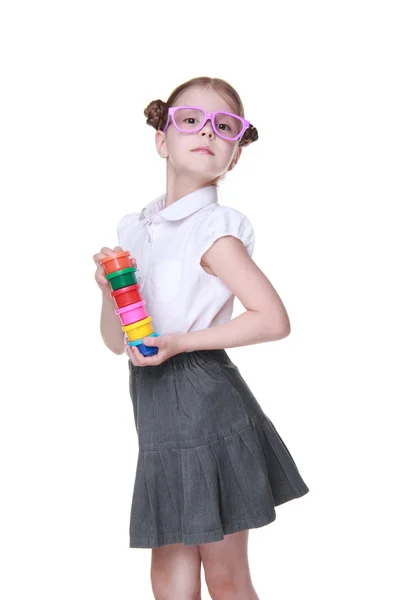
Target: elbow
(114, 349)
(283, 327)
(285, 331)
(277, 329)
(115, 346)
(282, 324)
(118, 350)
(278, 333)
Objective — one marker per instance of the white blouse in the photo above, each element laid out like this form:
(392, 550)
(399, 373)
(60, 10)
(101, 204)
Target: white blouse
(168, 244)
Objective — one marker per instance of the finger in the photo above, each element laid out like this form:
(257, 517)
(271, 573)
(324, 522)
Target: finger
(141, 360)
(156, 359)
(151, 341)
(97, 257)
(107, 251)
(118, 249)
(100, 271)
(100, 278)
(137, 357)
(130, 354)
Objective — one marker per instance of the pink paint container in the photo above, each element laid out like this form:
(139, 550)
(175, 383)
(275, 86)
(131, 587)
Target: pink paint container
(132, 313)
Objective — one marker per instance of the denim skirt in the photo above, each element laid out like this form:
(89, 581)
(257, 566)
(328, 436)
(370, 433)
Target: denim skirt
(210, 462)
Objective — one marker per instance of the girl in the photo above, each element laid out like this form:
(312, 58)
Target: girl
(211, 465)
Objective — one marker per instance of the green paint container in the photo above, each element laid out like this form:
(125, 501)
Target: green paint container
(122, 278)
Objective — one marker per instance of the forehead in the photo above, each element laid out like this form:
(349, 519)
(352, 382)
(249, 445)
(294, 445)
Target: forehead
(206, 98)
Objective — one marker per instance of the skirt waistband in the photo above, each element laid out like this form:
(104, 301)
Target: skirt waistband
(184, 358)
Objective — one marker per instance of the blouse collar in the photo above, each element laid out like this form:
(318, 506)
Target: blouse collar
(154, 211)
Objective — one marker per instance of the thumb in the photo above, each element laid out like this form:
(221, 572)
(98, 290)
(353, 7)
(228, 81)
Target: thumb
(150, 341)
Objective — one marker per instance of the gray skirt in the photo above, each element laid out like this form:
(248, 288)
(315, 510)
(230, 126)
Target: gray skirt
(210, 462)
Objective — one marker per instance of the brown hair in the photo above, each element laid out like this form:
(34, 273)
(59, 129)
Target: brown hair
(156, 112)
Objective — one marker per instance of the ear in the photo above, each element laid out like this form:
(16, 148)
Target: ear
(161, 144)
(235, 158)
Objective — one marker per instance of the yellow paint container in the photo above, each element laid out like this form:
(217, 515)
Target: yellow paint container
(138, 330)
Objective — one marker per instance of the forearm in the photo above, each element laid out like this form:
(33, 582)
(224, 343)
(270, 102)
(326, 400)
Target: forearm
(110, 326)
(251, 327)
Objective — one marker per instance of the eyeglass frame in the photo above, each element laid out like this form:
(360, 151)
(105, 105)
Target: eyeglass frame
(208, 116)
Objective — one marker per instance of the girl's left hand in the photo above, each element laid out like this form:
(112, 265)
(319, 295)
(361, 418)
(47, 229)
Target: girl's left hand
(168, 345)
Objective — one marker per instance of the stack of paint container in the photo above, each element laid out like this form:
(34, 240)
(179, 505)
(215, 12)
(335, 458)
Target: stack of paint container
(130, 305)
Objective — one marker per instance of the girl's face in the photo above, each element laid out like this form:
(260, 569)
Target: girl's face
(177, 146)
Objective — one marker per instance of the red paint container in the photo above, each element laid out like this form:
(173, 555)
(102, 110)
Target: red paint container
(127, 295)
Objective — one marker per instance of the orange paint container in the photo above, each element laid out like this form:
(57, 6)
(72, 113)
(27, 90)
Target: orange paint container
(120, 261)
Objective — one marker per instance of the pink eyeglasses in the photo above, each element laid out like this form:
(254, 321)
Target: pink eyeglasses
(190, 119)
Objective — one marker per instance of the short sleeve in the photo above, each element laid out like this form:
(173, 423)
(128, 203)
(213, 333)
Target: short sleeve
(222, 222)
(126, 228)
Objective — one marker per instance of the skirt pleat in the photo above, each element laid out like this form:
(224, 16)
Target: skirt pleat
(199, 478)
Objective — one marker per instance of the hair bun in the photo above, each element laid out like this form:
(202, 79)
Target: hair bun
(249, 136)
(156, 113)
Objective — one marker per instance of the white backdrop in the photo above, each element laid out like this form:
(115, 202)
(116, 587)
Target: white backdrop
(320, 81)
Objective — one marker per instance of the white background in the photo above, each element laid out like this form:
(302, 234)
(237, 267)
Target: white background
(320, 81)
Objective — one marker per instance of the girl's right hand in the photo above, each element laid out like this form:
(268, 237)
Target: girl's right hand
(99, 275)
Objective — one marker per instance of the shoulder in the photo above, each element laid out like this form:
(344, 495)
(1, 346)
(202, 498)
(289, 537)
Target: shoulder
(230, 221)
(128, 220)
(126, 226)
(220, 215)
(220, 221)
(233, 218)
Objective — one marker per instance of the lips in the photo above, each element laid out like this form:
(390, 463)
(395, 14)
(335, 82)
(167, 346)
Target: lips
(203, 150)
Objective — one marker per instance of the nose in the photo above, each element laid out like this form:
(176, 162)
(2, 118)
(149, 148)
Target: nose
(207, 127)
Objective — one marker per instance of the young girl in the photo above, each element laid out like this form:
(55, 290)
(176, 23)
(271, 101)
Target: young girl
(211, 464)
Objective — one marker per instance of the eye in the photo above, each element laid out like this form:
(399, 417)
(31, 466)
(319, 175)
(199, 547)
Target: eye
(190, 119)
(224, 125)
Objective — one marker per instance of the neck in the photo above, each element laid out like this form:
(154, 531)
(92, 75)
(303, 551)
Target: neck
(181, 185)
